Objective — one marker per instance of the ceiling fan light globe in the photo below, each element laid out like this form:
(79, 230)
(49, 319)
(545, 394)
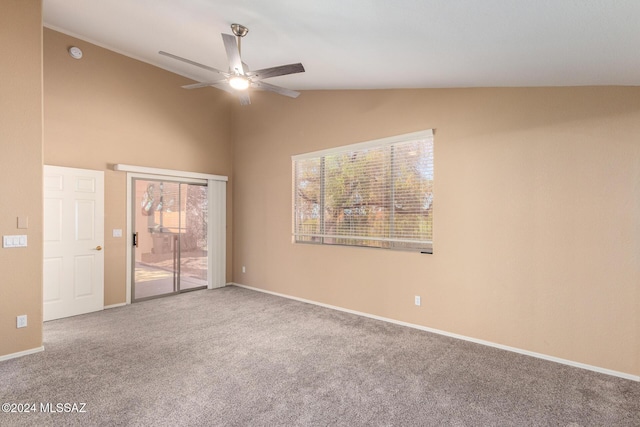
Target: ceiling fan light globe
(239, 83)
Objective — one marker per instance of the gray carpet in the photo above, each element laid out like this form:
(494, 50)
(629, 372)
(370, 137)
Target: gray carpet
(242, 358)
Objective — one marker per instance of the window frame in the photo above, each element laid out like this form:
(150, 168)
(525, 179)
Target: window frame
(394, 243)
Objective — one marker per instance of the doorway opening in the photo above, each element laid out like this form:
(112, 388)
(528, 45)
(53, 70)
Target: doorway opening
(170, 237)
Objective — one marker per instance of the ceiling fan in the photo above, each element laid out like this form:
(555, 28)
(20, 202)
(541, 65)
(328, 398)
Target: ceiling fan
(239, 78)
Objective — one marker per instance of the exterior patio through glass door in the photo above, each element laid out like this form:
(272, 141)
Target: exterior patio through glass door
(170, 238)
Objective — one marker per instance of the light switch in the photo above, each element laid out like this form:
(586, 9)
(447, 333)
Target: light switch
(14, 241)
(117, 232)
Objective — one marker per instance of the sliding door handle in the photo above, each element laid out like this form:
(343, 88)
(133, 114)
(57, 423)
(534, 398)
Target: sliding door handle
(135, 239)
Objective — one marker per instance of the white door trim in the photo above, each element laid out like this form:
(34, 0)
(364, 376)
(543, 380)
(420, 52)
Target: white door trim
(168, 172)
(217, 218)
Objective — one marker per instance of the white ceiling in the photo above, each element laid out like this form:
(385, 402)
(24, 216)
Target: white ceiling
(358, 44)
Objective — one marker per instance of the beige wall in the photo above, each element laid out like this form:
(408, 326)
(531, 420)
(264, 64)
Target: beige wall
(536, 214)
(536, 211)
(106, 109)
(21, 172)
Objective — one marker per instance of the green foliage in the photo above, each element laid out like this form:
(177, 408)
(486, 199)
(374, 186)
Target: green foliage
(381, 193)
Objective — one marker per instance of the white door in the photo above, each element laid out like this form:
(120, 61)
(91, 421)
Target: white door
(73, 240)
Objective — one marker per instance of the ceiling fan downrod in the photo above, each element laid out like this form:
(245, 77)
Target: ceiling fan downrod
(239, 31)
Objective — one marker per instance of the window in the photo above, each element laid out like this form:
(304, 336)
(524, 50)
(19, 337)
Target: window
(375, 194)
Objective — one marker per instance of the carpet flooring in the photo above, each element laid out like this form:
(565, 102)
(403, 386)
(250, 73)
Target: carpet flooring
(236, 357)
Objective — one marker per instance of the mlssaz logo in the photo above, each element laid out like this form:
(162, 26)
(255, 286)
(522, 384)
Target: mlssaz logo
(63, 407)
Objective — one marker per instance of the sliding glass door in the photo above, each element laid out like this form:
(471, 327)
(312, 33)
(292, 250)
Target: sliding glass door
(169, 221)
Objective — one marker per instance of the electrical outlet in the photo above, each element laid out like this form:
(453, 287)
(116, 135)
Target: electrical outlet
(244, 270)
(21, 321)
(417, 300)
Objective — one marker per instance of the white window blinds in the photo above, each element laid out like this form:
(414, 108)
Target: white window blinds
(377, 194)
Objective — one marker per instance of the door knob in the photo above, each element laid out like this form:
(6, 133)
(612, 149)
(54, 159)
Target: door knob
(98, 248)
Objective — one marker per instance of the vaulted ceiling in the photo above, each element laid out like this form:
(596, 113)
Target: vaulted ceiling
(358, 44)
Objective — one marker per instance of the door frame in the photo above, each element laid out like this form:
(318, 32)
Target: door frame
(216, 236)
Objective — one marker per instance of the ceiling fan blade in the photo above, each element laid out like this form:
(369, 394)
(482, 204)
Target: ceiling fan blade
(276, 71)
(244, 98)
(199, 85)
(224, 86)
(220, 84)
(231, 46)
(188, 61)
(277, 89)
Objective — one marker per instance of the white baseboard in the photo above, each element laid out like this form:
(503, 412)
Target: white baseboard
(457, 336)
(122, 304)
(21, 353)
